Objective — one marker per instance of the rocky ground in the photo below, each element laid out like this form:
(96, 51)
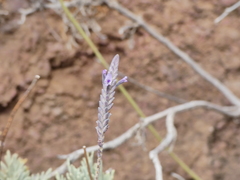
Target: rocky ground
(59, 115)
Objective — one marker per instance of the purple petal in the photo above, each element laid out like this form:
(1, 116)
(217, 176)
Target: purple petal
(104, 73)
(123, 80)
(108, 79)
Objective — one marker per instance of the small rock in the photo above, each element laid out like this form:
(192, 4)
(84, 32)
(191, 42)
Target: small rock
(57, 111)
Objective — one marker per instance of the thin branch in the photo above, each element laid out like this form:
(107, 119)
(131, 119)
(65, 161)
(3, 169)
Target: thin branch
(185, 57)
(170, 139)
(13, 112)
(231, 111)
(152, 90)
(228, 111)
(157, 165)
(25, 12)
(171, 135)
(226, 12)
(177, 176)
(88, 166)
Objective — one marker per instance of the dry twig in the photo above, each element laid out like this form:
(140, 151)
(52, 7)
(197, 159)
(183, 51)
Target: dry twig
(25, 12)
(88, 166)
(157, 165)
(169, 140)
(177, 176)
(152, 90)
(226, 12)
(13, 112)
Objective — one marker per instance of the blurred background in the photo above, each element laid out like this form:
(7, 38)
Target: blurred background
(60, 114)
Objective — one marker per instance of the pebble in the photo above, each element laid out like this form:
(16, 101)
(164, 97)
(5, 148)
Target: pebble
(57, 111)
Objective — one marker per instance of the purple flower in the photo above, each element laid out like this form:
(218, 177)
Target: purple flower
(108, 79)
(123, 80)
(104, 73)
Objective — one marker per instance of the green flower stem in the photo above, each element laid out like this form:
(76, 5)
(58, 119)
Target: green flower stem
(123, 90)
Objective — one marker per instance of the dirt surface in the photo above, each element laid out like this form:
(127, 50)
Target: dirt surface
(59, 115)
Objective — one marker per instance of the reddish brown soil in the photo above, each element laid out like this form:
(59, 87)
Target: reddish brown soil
(59, 115)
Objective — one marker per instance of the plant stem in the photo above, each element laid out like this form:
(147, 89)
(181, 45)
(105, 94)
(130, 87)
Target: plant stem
(13, 112)
(88, 166)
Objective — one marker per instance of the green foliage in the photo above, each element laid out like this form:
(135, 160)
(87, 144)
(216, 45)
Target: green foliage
(82, 171)
(14, 168)
(41, 176)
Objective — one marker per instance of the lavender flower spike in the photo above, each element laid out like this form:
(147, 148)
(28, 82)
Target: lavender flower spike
(109, 81)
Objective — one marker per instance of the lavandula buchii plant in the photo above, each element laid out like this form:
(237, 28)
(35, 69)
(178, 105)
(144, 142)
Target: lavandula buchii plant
(109, 82)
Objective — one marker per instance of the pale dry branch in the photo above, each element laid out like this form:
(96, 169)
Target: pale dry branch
(157, 165)
(166, 142)
(170, 138)
(177, 176)
(171, 131)
(231, 111)
(228, 111)
(127, 32)
(25, 12)
(226, 12)
(152, 90)
(185, 57)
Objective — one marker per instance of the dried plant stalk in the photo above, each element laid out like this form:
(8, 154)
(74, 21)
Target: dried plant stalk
(13, 112)
(87, 162)
(109, 82)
